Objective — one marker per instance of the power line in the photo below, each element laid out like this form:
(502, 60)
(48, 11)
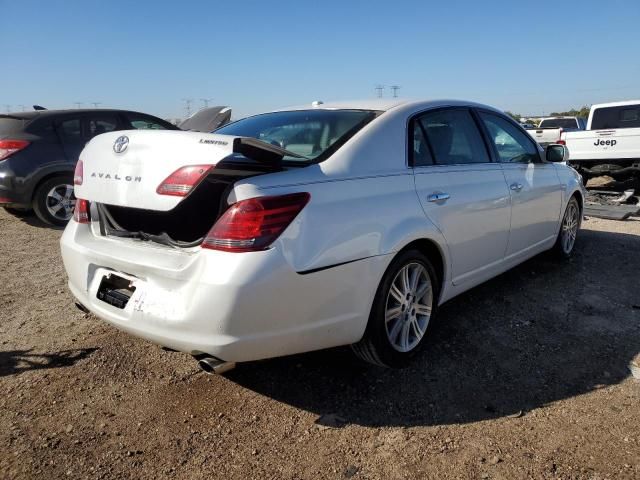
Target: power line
(95, 104)
(78, 104)
(205, 102)
(187, 105)
(22, 107)
(395, 89)
(7, 107)
(379, 89)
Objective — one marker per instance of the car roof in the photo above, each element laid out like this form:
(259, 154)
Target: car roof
(384, 104)
(47, 113)
(616, 104)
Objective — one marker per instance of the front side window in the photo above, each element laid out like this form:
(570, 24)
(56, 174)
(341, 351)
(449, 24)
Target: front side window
(309, 134)
(453, 137)
(512, 144)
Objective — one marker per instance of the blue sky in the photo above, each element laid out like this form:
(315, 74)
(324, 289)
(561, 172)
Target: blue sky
(528, 57)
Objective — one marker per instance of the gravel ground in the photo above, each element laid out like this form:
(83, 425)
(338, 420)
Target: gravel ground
(526, 376)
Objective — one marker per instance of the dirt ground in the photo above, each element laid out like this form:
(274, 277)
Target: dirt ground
(526, 376)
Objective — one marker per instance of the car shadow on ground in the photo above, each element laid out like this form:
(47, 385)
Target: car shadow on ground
(539, 333)
(20, 361)
(30, 218)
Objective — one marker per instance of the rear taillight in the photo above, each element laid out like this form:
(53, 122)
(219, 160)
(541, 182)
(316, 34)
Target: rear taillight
(254, 224)
(183, 180)
(9, 147)
(77, 176)
(81, 211)
(561, 142)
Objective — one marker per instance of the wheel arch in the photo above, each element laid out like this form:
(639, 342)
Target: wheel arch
(48, 176)
(433, 252)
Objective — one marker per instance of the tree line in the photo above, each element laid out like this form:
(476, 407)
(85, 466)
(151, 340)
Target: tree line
(582, 112)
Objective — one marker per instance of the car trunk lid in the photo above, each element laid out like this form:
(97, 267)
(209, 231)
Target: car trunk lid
(126, 168)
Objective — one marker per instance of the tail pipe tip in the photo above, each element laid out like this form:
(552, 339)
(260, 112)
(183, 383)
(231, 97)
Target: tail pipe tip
(214, 366)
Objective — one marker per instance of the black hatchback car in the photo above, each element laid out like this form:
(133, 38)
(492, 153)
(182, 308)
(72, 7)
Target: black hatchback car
(39, 151)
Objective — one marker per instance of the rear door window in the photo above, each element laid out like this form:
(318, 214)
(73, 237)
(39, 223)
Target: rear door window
(454, 137)
(70, 130)
(99, 125)
(512, 144)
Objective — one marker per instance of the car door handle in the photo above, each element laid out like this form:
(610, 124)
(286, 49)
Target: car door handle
(438, 197)
(516, 187)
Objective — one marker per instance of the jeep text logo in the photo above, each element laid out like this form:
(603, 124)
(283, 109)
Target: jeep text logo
(108, 176)
(599, 143)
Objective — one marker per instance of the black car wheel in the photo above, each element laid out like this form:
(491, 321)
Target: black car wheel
(54, 200)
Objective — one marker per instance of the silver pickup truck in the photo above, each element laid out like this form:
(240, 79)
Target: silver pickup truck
(551, 129)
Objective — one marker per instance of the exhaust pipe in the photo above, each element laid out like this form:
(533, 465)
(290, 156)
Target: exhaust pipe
(214, 366)
(82, 308)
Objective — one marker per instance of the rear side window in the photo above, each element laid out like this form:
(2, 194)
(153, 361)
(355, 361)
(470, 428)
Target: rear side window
(420, 154)
(512, 144)
(453, 137)
(559, 123)
(310, 134)
(627, 116)
(70, 130)
(96, 126)
(11, 125)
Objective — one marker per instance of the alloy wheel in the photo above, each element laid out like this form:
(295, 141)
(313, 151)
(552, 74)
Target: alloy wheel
(61, 201)
(408, 308)
(570, 224)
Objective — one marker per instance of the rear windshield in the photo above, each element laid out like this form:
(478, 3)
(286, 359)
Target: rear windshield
(311, 134)
(627, 116)
(559, 123)
(11, 125)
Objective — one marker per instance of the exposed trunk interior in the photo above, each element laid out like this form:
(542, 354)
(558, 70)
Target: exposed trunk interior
(192, 218)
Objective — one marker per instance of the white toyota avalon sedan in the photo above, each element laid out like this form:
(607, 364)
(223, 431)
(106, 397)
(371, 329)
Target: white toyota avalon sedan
(312, 227)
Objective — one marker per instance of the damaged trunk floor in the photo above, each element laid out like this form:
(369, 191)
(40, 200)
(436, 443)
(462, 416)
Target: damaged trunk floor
(612, 200)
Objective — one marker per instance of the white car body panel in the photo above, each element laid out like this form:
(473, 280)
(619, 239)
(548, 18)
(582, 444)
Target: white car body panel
(607, 143)
(132, 178)
(315, 286)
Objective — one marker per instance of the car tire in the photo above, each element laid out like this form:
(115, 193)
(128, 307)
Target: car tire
(53, 200)
(399, 318)
(569, 227)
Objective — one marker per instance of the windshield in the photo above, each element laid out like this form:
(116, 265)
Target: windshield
(308, 134)
(559, 123)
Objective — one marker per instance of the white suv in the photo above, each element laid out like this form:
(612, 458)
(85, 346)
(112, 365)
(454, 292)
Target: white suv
(318, 226)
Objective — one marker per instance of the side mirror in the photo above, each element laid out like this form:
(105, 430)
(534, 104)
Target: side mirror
(557, 153)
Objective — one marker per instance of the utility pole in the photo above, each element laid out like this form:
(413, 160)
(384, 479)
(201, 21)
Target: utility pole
(22, 107)
(187, 105)
(78, 104)
(379, 89)
(95, 104)
(205, 102)
(7, 107)
(395, 89)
